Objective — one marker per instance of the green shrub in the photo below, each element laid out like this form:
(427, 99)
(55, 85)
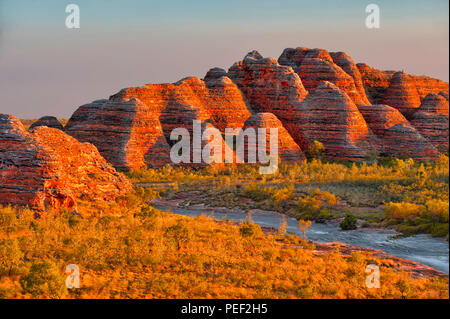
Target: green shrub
(248, 229)
(349, 222)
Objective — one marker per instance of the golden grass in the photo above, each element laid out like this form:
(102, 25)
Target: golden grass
(130, 250)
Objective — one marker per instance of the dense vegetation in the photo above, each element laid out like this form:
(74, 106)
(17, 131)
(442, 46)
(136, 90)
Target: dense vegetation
(130, 250)
(410, 196)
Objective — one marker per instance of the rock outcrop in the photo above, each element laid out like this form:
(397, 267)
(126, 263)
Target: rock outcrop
(270, 87)
(436, 104)
(372, 77)
(49, 121)
(432, 120)
(47, 168)
(127, 133)
(329, 116)
(288, 150)
(317, 65)
(348, 65)
(217, 98)
(426, 85)
(141, 119)
(396, 136)
(376, 83)
(402, 94)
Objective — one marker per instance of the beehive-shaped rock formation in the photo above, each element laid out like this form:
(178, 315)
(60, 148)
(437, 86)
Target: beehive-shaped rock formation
(49, 121)
(396, 136)
(431, 120)
(329, 116)
(48, 168)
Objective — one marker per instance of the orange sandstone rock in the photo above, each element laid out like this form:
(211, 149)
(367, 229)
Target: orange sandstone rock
(376, 82)
(402, 94)
(216, 98)
(317, 65)
(48, 168)
(426, 85)
(141, 119)
(270, 87)
(127, 134)
(432, 120)
(348, 65)
(372, 77)
(396, 136)
(329, 116)
(288, 150)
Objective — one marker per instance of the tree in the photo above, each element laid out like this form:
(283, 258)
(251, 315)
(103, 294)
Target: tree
(44, 279)
(349, 222)
(283, 226)
(303, 225)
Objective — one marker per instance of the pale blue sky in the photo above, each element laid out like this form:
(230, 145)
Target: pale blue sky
(46, 69)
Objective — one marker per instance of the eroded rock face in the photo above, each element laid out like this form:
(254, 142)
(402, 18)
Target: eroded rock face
(141, 119)
(396, 136)
(329, 116)
(376, 83)
(47, 168)
(128, 134)
(224, 99)
(426, 85)
(317, 65)
(288, 150)
(217, 98)
(270, 87)
(435, 103)
(348, 65)
(432, 120)
(49, 121)
(402, 94)
(372, 77)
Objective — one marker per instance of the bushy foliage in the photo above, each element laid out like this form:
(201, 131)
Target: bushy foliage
(128, 249)
(44, 280)
(349, 222)
(313, 189)
(142, 253)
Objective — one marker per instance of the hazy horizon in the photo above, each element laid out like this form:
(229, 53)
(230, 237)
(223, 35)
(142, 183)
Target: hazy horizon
(47, 69)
